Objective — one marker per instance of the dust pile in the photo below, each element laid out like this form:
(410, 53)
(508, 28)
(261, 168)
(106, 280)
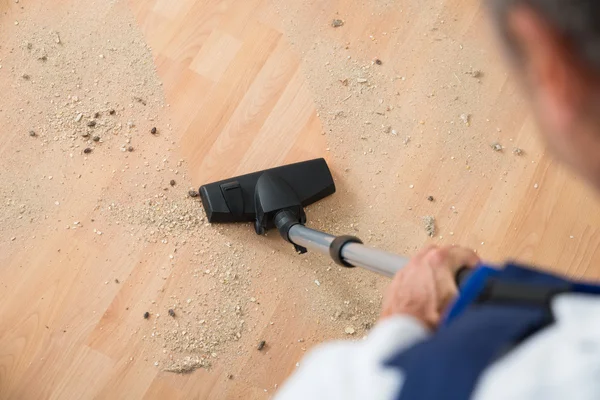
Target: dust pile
(93, 155)
(92, 152)
(84, 111)
(397, 92)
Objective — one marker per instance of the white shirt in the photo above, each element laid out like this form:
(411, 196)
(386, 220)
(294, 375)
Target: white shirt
(559, 362)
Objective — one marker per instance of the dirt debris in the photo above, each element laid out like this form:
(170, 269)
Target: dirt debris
(429, 225)
(186, 365)
(162, 217)
(336, 23)
(70, 100)
(466, 119)
(211, 324)
(518, 152)
(497, 147)
(475, 73)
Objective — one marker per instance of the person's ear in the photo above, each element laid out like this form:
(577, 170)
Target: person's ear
(555, 76)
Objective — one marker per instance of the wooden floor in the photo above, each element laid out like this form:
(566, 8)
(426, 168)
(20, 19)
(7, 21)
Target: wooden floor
(241, 100)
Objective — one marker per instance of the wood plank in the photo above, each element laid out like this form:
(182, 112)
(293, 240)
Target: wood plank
(251, 85)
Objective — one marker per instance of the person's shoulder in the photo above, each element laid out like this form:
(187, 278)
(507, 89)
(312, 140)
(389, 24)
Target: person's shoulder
(558, 362)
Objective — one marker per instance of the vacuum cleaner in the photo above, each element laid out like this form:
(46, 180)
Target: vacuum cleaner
(276, 198)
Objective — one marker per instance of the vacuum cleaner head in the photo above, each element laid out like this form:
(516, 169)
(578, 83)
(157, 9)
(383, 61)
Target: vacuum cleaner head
(259, 196)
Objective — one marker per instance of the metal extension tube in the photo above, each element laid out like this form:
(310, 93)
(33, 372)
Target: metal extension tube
(358, 255)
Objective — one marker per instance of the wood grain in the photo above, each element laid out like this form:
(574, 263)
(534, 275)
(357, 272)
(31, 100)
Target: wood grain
(239, 95)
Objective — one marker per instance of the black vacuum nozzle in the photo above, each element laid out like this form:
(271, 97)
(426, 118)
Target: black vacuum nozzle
(259, 196)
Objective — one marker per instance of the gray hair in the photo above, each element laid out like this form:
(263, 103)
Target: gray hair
(577, 21)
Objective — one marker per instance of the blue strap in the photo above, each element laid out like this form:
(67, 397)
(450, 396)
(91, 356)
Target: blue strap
(471, 289)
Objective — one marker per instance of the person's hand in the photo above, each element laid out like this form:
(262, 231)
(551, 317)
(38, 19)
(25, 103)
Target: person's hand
(426, 286)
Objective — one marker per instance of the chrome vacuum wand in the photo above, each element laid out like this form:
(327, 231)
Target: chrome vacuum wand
(351, 253)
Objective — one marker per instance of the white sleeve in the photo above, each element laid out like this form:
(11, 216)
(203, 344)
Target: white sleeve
(560, 362)
(354, 370)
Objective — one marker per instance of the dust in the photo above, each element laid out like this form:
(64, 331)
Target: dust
(429, 224)
(88, 81)
(67, 122)
(497, 147)
(392, 104)
(79, 94)
(186, 365)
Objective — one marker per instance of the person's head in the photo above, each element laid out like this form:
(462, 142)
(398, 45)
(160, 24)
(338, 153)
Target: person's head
(555, 47)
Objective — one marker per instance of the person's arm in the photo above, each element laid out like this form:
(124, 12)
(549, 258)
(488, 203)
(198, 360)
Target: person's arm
(354, 370)
(412, 309)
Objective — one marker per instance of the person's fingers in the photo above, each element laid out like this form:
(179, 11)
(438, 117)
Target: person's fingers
(461, 257)
(452, 257)
(447, 261)
(424, 251)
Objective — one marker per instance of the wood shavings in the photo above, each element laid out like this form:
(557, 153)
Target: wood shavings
(336, 23)
(429, 225)
(466, 119)
(186, 365)
(475, 73)
(497, 147)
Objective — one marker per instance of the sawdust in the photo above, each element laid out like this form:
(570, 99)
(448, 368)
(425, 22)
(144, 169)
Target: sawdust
(85, 90)
(65, 103)
(186, 365)
(92, 84)
(466, 119)
(336, 23)
(385, 123)
(497, 147)
(429, 224)
(202, 318)
(475, 73)
(163, 217)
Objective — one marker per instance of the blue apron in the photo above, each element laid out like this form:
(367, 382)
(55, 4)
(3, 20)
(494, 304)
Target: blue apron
(497, 309)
